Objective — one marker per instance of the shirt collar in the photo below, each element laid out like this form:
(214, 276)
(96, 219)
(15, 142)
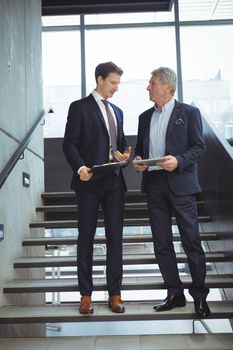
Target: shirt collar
(167, 107)
(97, 96)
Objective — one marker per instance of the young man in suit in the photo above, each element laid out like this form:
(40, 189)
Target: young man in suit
(91, 138)
(173, 130)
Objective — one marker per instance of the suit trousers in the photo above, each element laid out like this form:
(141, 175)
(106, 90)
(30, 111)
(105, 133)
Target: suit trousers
(109, 193)
(162, 204)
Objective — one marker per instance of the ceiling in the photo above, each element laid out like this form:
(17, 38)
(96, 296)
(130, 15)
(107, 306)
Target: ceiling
(205, 9)
(67, 7)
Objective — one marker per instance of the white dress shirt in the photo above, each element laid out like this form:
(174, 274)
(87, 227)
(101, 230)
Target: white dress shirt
(98, 98)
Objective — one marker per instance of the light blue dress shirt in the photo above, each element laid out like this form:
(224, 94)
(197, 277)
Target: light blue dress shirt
(158, 130)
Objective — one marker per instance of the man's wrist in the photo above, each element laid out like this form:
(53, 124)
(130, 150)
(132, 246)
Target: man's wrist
(80, 169)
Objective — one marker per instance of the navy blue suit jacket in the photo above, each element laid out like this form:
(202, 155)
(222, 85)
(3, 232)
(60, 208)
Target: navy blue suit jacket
(86, 140)
(184, 140)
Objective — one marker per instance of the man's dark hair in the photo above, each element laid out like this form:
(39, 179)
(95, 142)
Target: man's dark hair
(104, 69)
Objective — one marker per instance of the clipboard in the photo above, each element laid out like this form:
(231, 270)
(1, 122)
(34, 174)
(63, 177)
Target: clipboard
(107, 167)
(149, 162)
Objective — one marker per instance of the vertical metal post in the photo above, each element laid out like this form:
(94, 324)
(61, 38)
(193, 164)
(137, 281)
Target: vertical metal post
(178, 51)
(83, 56)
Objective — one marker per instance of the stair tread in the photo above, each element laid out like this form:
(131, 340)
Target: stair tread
(73, 207)
(63, 194)
(41, 261)
(129, 283)
(101, 239)
(72, 193)
(58, 207)
(134, 311)
(73, 223)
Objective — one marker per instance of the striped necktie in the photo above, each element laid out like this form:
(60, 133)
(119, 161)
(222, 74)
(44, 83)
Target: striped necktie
(112, 127)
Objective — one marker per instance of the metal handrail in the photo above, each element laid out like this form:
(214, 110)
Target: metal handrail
(19, 151)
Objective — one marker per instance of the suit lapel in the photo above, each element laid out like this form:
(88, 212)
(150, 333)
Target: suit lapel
(118, 119)
(147, 130)
(97, 110)
(176, 111)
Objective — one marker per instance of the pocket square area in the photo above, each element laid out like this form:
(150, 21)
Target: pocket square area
(179, 121)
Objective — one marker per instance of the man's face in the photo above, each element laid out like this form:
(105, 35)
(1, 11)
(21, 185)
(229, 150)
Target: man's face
(108, 86)
(158, 91)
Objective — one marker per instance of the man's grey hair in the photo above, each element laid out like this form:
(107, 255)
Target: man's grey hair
(167, 76)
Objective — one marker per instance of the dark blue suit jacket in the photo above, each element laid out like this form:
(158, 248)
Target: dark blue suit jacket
(86, 140)
(184, 140)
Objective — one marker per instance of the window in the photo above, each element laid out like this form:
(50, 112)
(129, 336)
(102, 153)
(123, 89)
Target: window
(138, 52)
(61, 77)
(140, 42)
(207, 72)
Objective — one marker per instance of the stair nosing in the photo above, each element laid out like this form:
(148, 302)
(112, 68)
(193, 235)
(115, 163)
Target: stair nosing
(134, 311)
(137, 238)
(100, 260)
(129, 283)
(73, 223)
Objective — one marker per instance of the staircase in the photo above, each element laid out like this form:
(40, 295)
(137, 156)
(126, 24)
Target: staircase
(57, 261)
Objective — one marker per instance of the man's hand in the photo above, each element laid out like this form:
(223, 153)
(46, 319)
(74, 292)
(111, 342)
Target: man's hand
(170, 164)
(122, 156)
(139, 167)
(85, 174)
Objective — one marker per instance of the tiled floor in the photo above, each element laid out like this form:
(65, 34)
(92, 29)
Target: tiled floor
(136, 328)
(159, 342)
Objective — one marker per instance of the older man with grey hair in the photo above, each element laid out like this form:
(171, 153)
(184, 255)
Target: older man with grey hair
(173, 131)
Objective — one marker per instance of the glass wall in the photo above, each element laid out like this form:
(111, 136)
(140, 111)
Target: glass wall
(139, 43)
(61, 76)
(138, 51)
(208, 74)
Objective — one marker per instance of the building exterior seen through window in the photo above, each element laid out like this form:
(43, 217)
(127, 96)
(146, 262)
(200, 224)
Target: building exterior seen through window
(206, 64)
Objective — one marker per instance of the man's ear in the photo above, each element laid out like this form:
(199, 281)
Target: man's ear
(99, 80)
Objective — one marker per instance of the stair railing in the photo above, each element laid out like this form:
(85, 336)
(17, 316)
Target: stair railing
(21, 148)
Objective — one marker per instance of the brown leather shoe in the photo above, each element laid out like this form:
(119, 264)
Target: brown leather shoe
(116, 304)
(86, 306)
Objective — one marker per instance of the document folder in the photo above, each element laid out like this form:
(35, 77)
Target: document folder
(107, 167)
(149, 162)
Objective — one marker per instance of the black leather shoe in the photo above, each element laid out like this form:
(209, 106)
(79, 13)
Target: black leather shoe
(170, 302)
(201, 308)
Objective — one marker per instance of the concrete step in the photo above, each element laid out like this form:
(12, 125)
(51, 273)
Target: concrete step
(129, 283)
(69, 197)
(69, 211)
(134, 312)
(137, 238)
(99, 260)
(141, 221)
(53, 198)
(217, 341)
(73, 207)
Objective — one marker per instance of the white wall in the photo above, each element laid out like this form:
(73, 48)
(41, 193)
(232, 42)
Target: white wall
(21, 103)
